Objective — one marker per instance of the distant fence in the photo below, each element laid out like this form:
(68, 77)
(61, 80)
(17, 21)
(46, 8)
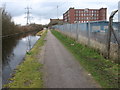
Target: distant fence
(93, 34)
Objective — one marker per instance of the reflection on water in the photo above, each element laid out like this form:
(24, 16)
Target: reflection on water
(14, 52)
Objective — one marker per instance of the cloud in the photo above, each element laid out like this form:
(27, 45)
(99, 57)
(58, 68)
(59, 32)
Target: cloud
(19, 20)
(46, 9)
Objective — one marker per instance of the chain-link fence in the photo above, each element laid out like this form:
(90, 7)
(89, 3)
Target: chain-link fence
(93, 34)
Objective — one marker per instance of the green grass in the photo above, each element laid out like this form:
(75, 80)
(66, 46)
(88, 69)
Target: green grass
(104, 71)
(28, 74)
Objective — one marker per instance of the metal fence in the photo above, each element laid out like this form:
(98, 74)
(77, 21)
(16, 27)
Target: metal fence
(91, 33)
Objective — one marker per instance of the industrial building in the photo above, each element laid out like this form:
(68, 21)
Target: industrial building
(55, 22)
(85, 15)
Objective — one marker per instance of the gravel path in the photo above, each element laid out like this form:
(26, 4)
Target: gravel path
(61, 70)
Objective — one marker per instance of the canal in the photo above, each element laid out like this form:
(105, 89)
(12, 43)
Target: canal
(13, 52)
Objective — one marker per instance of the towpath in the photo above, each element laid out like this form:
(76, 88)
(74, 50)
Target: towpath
(61, 69)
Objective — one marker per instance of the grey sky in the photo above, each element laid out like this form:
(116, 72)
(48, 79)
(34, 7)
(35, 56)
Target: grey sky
(43, 10)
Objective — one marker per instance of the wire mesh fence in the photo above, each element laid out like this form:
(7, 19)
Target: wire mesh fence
(93, 34)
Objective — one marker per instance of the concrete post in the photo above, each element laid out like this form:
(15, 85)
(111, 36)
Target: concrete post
(110, 30)
(77, 29)
(0, 48)
(88, 32)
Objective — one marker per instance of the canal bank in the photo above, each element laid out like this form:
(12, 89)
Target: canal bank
(13, 52)
(28, 74)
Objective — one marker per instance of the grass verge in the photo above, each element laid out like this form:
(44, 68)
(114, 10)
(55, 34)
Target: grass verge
(104, 71)
(40, 32)
(28, 74)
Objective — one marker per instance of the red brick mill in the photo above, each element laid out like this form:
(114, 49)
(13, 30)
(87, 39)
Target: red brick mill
(85, 15)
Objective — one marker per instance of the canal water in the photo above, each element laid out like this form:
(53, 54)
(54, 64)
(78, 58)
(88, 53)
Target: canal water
(13, 53)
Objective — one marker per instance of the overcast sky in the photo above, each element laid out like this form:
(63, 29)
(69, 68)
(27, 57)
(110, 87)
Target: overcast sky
(43, 10)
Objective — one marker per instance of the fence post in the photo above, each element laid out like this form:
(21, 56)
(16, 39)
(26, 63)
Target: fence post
(110, 29)
(119, 41)
(109, 38)
(1, 48)
(77, 32)
(88, 32)
(70, 31)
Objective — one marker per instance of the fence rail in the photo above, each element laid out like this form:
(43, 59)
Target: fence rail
(93, 34)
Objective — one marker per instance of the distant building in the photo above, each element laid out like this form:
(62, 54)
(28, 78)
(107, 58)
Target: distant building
(85, 15)
(56, 22)
(119, 11)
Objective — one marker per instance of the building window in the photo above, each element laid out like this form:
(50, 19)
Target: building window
(76, 11)
(76, 14)
(94, 11)
(77, 18)
(87, 18)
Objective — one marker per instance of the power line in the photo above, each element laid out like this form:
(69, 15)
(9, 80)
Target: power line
(28, 19)
(28, 14)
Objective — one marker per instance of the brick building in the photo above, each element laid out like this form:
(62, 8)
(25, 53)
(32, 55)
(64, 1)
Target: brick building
(55, 22)
(85, 15)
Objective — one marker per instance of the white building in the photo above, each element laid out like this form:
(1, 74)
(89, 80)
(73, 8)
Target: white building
(119, 11)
